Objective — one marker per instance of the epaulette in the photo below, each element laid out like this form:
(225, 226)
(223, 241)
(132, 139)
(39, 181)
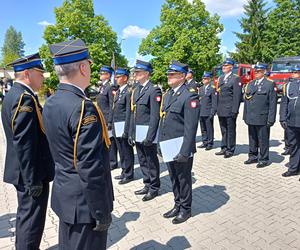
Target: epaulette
(28, 109)
(105, 135)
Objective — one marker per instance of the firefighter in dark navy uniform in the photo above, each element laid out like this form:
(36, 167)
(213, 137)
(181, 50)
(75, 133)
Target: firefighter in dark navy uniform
(229, 90)
(191, 82)
(28, 165)
(107, 91)
(122, 113)
(179, 118)
(82, 193)
(208, 106)
(260, 102)
(290, 119)
(146, 99)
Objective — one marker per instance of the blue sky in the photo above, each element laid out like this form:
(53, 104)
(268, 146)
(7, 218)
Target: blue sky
(131, 20)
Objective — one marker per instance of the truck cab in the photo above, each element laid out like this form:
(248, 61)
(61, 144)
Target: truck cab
(244, 71)
(281, 71)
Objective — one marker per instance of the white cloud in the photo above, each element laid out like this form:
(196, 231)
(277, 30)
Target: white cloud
(227, 8)
(131, 61)
(134, 31)
(44, 23)
(224, 50)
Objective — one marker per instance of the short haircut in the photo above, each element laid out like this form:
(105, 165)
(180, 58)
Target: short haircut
(67, 70)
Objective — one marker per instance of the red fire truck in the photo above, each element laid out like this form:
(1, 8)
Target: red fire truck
(281, 71)
(244, 71)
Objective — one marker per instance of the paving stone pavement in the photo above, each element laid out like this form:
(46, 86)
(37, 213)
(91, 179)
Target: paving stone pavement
(234, 206)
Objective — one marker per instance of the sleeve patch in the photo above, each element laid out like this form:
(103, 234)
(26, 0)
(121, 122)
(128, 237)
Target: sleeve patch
(158, 98)
(89, 119)
(25, 109)
(194, 104)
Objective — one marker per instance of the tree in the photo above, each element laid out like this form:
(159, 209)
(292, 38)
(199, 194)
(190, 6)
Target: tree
(13, 46)
(249, 48)
(187, 33)
(283, 30)
(76, 19)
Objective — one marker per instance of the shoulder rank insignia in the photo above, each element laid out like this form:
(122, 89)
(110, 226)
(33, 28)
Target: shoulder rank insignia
(88, 120)
(25, 109)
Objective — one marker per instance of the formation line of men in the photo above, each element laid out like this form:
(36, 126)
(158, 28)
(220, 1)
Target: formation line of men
(75, 142)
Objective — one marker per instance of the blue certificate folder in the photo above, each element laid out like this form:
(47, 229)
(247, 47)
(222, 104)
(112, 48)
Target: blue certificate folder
(119, 128)
(170, 148)
(141, 133)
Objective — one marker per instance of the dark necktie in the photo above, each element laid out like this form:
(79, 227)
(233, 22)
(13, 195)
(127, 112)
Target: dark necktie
(171, 93)
(117, 94)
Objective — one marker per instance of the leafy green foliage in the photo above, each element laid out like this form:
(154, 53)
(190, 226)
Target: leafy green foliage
(282, 36)
(76, 19)
(187, 33)
(13, 46)
(250, 47)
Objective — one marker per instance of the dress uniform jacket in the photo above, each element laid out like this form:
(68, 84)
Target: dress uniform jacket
(28, 159)
(290, 113)
(194, 85)
(82, 188)
(180, 117)
(208, 100)
(121, 108)
(260, 103)
(146, 107)
(229, 95)
(290, 105)
(105, 100)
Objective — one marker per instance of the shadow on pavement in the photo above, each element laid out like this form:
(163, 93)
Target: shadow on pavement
(178, 242)
(6, 223)
(118, 229)
(207, 199)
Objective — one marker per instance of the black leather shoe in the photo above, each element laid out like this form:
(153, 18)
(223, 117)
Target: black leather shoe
(149, 196)
(261, 164)
(125, 180)
(228, 155)
(208, 148)
(222, 152)
(202, 146)
(144, 190)
(289, 173)
(286, 152)
(172, 213)
(181, 217)
(250, 161)
(119, 177)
